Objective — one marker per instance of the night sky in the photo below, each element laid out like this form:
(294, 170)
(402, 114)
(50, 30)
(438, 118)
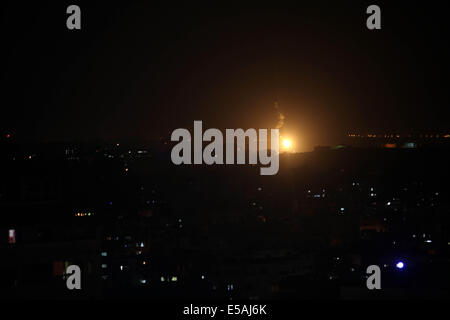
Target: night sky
(140, 70)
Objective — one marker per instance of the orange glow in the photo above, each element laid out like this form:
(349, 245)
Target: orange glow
(287, 144)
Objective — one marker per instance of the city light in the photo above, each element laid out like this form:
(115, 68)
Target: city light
(400, 265)
(12, 236)
(84, 214)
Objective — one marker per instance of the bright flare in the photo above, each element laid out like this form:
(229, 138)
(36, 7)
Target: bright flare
(287, 143)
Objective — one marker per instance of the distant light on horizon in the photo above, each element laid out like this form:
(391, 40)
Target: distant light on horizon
(287, 143)
(400, 265)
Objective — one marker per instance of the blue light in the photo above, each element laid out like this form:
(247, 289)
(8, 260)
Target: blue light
(400, 265)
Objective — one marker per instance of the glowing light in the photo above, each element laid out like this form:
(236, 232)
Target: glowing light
(12, 236)
(400, 265)
(287, 143)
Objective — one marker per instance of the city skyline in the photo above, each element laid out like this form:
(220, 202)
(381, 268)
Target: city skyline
(254, 156)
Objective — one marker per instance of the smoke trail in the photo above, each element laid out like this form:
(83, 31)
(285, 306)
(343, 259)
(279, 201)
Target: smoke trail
(280, 117)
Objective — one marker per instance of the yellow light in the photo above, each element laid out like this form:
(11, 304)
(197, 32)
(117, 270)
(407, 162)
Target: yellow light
(287, 143)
